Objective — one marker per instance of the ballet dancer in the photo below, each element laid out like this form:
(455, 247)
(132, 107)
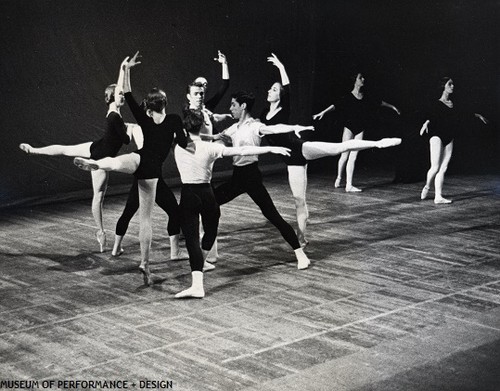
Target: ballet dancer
(247, 177)
(443, 124)
(145, 164)
(278, 112)
(196, 92)
(197, 196)
(358, 114)
(116, 134)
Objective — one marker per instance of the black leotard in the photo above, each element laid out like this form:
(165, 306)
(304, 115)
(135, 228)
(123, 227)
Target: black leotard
(114, 137)
(445, 122)
(358, 115)
(287, 140)
(158, 139)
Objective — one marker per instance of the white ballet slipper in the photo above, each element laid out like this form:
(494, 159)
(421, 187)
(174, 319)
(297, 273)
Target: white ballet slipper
(425, 193)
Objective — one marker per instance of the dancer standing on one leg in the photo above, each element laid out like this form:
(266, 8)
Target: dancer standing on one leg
(358, 115)
(117, 133)
(145, 164)
(443, 124)
(278, 112)
(197, 196)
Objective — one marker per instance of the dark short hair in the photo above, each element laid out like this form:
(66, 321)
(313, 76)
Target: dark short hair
(156, 100)
(193, 120)
(244, 97)
(193, 84)
(109, 94)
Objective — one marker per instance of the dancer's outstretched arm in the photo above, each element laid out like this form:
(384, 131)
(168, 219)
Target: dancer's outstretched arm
(251, 150)
(282, 128)
(322, 113)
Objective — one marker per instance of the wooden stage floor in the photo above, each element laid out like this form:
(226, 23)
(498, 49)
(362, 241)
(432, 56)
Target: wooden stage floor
(402, 294)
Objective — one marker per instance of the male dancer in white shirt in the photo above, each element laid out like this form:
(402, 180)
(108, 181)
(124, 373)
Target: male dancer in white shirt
(197, 197)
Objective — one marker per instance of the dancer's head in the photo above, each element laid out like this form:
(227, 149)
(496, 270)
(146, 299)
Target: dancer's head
(275, 92)
(358, 80)
(193, 120)
(113, 93)
(155, 104)
(241, 102)
(446, 85)
(195, 95)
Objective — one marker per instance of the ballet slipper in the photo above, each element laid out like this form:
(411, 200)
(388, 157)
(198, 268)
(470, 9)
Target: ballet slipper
(196, 290)
(179, 255)
(352, 189)
(101, 239)
(425, 192)
(441, 200)
(196, 293)
(337, 182)
(118, 252)
(146, 274)
(207, 266)
(85, 164)
(388, 142)
(303, 261)
(26, 148)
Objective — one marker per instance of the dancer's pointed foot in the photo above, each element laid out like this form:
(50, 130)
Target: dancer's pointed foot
(117, 252)
(101, 239)
(388, 142)
(26, 148)
(197, 293)
(85, 164)
(441, 200)
(425, 193)
(352, 189)
(337, 182)
(178, 256)
(146, 274)
(207, 266)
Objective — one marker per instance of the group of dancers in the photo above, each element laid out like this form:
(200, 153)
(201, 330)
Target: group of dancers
(197, 146)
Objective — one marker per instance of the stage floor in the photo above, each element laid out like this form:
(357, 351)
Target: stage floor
(401, 294)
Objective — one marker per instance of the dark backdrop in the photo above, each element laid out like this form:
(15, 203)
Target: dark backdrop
(58, 56)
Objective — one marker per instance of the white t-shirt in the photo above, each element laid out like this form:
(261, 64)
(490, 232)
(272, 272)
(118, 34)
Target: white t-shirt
(245, 134)
(197, 167)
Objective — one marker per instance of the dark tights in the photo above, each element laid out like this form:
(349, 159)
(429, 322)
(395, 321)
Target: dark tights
(165, 199)
(198, 200)
(248, 179)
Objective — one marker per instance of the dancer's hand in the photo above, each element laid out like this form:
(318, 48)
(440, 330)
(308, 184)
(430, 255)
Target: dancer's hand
(274, 60)
(300, 128)
(484, 120)
(221, 57)
(124, 63)
(280, 151)
(424, 128)
(318, 116)
(133, 61)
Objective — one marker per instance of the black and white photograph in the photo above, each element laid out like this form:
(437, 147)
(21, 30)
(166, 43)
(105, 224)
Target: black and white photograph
(266, 195)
